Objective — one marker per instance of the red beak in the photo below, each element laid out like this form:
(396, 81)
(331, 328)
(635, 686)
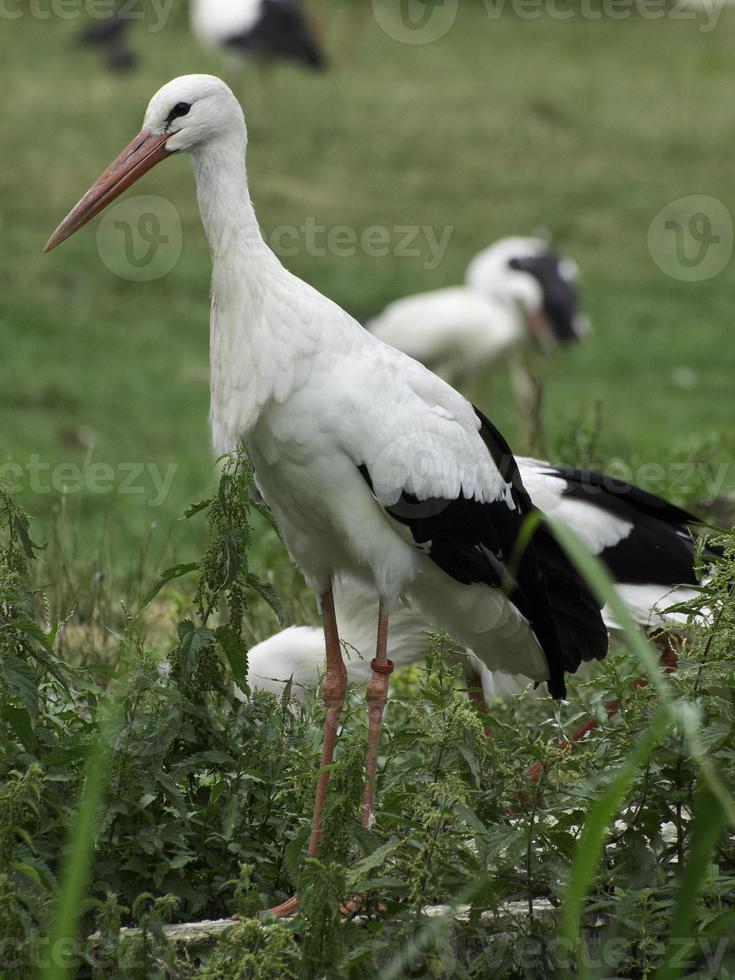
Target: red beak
(138, 158)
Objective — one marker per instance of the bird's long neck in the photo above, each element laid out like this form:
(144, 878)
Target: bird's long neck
(226, 210)
(243, 268)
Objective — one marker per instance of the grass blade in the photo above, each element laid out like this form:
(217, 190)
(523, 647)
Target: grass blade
(77, 863)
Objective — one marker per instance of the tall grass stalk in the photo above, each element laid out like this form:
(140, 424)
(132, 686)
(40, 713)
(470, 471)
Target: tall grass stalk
(77, 862)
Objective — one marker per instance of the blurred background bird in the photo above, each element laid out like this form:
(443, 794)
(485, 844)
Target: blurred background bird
(111, 36)
(519, 304)
(266, 30)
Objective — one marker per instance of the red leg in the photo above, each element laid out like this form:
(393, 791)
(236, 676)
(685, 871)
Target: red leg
(377, 695)
(335, 685)
(475, 692)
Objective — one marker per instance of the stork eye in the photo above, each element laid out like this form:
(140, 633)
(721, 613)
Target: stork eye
(180, 109)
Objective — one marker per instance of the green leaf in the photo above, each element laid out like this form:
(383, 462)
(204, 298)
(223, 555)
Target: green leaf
(180, 861)
(267, 592)
(229, 818)
(33, 630)
(33, 874)
(709, 820)
(264, 510)
(192, 640)
(194, 509)
(236, 654)
(20, 721)
(22, 680)
(292, 852)
(146, 800)
(370, 863)
(176, 571)
(21, 528)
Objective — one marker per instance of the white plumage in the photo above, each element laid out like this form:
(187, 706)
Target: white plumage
(373, 466)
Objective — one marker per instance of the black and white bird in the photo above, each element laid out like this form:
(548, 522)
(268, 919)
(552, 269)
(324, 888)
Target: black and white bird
(648, 545)
(520, 300)
(110, 35)
(373, 466)
(269, 30)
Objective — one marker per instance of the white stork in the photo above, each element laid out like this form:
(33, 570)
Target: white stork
(647, 544)
(519, 300)
(270, 30)
(373, 466)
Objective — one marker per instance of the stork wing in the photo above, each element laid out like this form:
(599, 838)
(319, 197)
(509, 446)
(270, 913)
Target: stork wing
(451, 479)
(642, 538)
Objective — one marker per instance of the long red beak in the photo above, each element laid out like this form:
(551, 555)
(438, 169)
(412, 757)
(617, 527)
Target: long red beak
(144, 152)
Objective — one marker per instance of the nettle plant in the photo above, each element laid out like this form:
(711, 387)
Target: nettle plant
(156, 787)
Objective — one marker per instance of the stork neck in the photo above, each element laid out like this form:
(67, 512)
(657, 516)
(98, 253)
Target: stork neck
(249, 359)
(226, 210)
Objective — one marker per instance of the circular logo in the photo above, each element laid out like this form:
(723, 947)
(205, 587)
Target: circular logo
(140, 238)
(691, 239)
(415, 21)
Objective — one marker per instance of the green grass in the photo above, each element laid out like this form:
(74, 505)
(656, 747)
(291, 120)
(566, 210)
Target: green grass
(586, 128)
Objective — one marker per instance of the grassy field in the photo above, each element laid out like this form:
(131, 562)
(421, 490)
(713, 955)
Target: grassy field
(586, 128)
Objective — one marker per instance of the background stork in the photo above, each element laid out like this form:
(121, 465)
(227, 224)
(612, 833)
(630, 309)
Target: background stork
(111, 35)
(267, 30)
(648, 545)
(519, 304)
(373, 466)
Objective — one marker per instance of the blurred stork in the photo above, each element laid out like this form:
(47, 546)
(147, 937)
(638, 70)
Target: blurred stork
(519, 301)
(373, 466)
(110, 36)
(267, 30)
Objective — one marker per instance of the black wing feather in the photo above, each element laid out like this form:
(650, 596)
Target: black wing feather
(660, 549)
(476, 542)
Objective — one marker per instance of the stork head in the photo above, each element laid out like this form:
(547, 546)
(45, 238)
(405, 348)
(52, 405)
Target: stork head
(543, 285)
(185, 115)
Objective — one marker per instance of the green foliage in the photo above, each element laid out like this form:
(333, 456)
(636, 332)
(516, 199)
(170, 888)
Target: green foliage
(254, 951)
(207, 797)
